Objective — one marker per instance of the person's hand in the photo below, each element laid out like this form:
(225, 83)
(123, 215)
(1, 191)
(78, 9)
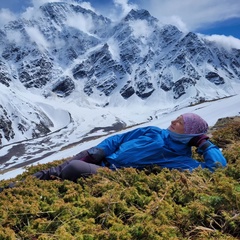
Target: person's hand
(198, 140)
(94, 155)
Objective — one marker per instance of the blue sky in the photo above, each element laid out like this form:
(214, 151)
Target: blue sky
(206, 16)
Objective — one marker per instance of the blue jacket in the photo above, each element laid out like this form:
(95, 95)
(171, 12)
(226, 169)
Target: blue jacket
(154, 146)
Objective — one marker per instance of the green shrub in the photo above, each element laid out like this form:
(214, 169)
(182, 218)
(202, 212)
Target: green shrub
(129, 204)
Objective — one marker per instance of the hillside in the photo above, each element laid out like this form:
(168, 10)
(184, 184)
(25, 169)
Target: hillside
(65, 60)
(130, 204)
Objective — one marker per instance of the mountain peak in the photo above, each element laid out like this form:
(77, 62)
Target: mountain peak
(68, 51)
(140, 14)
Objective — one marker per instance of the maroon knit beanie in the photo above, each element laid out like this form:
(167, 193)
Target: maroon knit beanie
(194, 124)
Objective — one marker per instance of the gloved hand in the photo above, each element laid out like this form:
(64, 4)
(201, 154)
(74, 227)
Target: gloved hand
(10, 185)
(198, 140)
(91, 155)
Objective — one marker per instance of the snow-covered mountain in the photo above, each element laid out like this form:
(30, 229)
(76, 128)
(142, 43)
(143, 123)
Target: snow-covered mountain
(67, 66)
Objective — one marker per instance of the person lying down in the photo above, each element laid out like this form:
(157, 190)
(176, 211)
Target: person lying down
(143, 147)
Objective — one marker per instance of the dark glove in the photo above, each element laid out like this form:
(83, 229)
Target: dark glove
(91, 155)
(10, 185)
(198, 140)
(95, 155)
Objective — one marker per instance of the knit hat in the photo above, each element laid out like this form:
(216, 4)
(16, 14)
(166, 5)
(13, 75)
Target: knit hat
(194, 124)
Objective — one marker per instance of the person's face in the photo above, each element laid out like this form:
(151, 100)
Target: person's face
(177, 125)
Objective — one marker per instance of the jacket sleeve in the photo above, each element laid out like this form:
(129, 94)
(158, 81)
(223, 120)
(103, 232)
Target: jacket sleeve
(212, 155)
(111, 144)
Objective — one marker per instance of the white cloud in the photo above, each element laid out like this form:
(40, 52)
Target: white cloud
(120, 10)
(37, 37)
(125, 6)
(176, 21)
(193, 14)
(14, 36)
(38, 3)
(31, 12)
(141, 28)
(226, 41)
(83, 23)
(87, 5)
(187, 15)
(6, 16)
(114, 49)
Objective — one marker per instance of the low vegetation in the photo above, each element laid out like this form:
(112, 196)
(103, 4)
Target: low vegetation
(130, 204)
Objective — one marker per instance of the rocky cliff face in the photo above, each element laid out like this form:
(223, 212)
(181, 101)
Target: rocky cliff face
(66, 48)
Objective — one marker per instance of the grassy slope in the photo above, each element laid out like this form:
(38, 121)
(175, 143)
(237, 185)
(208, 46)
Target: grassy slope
(130, 204)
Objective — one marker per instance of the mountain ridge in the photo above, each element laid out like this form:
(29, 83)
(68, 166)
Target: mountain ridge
(68, 53)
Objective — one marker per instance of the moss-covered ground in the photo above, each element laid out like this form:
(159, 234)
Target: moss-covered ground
(130, 204)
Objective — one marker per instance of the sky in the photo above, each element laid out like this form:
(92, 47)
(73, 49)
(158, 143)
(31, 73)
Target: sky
(210, 17)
